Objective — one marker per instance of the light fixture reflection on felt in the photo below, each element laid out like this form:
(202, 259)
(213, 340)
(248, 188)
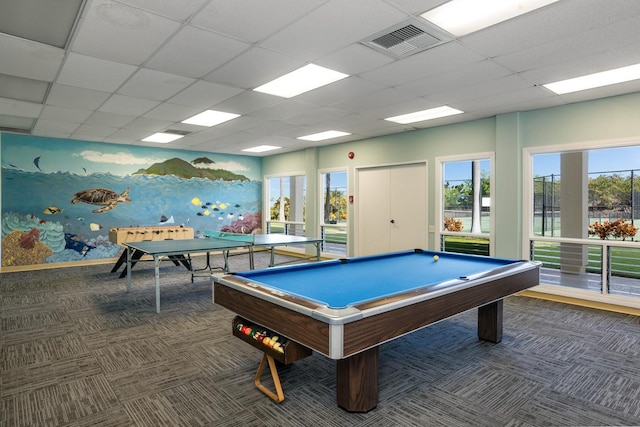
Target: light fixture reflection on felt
(461, 17)
(419, 116)
(261, 148)
(321, 136)
(210, 118)
(162, 137)
(590, 81)
(302, 80)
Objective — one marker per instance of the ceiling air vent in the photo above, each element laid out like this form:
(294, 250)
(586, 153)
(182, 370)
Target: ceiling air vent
(406, 39)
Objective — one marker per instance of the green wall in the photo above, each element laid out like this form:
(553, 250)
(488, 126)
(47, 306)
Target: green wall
(606, 121)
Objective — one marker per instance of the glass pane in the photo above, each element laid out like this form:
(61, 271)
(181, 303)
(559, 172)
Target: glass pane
(466, 196)
(573, 265)
(624, 271)
(599, 187)
(334, 196)
(465, 245)
(287, 204)
(334, 212)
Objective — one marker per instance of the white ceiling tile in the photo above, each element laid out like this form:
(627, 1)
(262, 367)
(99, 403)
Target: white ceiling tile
(385, 96)
(553, 22)
(318, 115)
(100, 118)
(203, 94)
(72, 115)
(92, 132)
(242, 72)
(505, 98)
(126, 136)
(416, 6)
(481, 90)
(333, 26)
(454, 80)
(440, 59)
(340, 91)
(55, 126)
(354, 59)
(252, 20)
(42, 21)
(180, 10)
(121, 33)
(284, 110)
(166, 111)
(154, 85)
(12, 107)
(23, 89)
(8, 121)
(247, 102)
(28, 59)
(121, 104)
(51, 134)
(143, 124)
(195, 52)
(619, 39)
(75, 97)
(94, 73)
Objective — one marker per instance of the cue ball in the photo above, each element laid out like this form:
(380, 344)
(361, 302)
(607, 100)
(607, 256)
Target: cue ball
(436, 257)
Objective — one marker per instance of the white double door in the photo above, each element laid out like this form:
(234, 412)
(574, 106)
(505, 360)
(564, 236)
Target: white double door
(392, 208)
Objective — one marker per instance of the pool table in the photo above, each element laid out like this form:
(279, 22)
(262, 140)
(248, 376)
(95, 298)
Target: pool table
(344, 309)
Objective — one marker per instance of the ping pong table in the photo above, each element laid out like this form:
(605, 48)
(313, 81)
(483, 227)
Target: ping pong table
(214, 242)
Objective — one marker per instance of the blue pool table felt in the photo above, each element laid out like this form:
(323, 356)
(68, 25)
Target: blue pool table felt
(338, 284)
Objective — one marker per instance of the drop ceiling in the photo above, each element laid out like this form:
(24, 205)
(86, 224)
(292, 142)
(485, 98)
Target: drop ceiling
(118, 71)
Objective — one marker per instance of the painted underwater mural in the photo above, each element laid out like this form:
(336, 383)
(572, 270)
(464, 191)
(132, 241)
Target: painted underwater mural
(61, 197)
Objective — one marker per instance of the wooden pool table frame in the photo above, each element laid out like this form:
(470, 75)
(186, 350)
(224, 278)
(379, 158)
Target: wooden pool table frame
(354, 343)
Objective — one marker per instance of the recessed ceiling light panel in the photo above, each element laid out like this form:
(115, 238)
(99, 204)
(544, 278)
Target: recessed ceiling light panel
(301, 80)
(604, 78)
(162, 137)
(210, 118)
(321, 136)
(261, 148)
(419, 116)
(461, 17)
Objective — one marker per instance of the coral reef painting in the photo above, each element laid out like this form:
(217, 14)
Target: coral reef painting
(60, 198)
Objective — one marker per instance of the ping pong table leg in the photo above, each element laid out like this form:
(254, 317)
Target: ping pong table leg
(318, 250)
(128, 269)
(273, 258)
(225, 256)
(156, 261)
(251, 265)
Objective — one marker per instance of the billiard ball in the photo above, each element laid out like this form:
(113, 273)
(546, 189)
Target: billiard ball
(436, 257)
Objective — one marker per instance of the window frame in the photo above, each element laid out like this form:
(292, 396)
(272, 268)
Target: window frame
(266, 191)
(320, 208)
(439, 231)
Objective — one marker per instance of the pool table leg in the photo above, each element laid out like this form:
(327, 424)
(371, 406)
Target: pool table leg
(357, 389)
(490, 321)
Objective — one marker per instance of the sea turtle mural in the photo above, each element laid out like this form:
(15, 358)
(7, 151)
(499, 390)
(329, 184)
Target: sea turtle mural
(102, 197)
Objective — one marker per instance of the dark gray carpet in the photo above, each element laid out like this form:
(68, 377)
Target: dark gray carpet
(77, 350)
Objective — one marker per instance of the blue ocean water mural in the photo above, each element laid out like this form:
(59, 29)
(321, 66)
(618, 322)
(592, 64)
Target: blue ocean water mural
(63, 216)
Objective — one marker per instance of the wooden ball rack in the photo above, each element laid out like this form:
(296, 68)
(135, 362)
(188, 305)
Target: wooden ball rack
(291, 351)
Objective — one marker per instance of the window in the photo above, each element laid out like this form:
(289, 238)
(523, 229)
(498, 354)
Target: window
(466, 206)
(585, 214)
(286, 195)
(333, 208)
